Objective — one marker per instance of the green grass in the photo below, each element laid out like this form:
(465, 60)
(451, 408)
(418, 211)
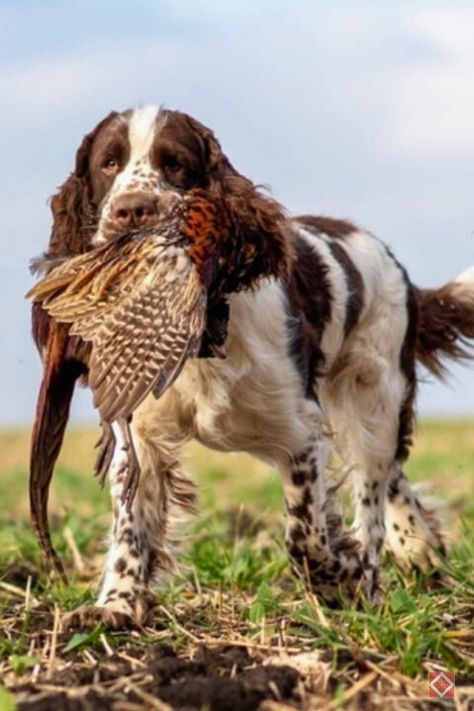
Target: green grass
(234, 586)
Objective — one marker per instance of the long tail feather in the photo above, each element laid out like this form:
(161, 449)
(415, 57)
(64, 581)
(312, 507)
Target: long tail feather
(52, 412)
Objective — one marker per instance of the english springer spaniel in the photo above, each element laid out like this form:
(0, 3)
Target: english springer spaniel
(319, 334)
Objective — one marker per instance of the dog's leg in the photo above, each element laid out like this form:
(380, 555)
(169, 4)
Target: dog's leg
(371, 434)
(370, 484)
(321, 551)
(385, 505)
(138, 543)
(413, 528)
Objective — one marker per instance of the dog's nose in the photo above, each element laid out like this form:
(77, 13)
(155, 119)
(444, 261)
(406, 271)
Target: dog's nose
(135, 210)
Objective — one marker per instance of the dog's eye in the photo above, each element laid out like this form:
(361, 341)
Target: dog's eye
(110, 166)
(172, 165)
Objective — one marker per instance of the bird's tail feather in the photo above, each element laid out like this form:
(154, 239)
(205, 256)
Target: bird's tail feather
(52, 413)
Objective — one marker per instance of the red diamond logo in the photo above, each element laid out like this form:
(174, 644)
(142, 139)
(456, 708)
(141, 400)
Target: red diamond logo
(441, 685)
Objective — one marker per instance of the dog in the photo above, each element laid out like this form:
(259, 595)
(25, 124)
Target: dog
(317, 331)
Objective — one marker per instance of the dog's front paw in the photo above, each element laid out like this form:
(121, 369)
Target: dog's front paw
(89, 616)
(113, 614)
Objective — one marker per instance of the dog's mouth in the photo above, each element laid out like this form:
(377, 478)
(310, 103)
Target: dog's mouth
(111, 229)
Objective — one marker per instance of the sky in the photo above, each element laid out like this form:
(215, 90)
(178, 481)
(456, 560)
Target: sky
(362, 110)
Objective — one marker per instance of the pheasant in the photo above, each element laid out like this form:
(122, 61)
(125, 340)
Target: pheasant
(141, 301)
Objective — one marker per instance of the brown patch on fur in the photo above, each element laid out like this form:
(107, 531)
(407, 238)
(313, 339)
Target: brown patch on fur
(327, 225)
(408, 368)
(446, 324)
(186, 151)
(309, 297)
(261, 237)
(259, 231)
(74, 215)
(355, 285)
(258, 242)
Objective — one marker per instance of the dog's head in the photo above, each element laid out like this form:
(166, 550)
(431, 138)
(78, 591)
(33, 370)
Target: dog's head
(133, 164)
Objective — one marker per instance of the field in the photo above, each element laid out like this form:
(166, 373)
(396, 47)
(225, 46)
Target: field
(233, 631)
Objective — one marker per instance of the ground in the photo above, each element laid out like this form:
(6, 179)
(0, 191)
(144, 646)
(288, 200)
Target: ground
(233, 630)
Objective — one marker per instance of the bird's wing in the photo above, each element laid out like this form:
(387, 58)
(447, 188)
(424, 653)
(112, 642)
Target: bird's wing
(60, 278)
(141, 303)
(90, 283)
(142, 332)
(142, 343)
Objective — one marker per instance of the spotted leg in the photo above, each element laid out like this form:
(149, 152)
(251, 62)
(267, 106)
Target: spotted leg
(139, 538)
(370, 483)
(321, 551)
(413, 528)
(373, 444)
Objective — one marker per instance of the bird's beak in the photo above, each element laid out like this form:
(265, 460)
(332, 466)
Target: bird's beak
(52, 413)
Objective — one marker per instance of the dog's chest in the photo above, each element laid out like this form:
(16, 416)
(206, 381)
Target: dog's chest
(253, 400)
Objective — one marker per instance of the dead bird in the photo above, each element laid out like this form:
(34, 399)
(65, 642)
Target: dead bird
(135, 308)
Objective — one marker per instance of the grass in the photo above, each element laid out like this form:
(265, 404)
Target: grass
(234, 592)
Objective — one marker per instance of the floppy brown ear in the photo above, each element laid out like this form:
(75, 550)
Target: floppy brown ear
(73, 212)
(260, 243)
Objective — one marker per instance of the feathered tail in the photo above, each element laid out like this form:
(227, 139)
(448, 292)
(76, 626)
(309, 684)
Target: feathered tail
(446, 323)
(60, 372)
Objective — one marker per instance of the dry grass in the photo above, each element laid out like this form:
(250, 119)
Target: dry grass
(233, 630)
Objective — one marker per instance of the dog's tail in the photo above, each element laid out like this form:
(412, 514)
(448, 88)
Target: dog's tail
(446, 323)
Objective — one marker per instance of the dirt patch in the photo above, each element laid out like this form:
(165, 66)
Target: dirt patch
(18, 574)
(222, 679)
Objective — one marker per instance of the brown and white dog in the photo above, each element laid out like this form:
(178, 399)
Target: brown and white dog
(321, 341)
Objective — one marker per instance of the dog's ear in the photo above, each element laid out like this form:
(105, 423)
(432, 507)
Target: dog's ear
(73, 213)
(261, 241)
(211, 151)
(261, 236)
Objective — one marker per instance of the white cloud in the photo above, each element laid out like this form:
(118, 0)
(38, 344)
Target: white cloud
(433, 101)
(39, 90)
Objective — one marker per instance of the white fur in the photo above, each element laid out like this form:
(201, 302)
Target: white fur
(363, 377)
(142, 129)
(466, 277)
(252, 400)
(141, 133)
(116, 550)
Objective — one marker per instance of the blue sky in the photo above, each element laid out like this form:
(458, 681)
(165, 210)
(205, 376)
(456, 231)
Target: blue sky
(362, 110)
